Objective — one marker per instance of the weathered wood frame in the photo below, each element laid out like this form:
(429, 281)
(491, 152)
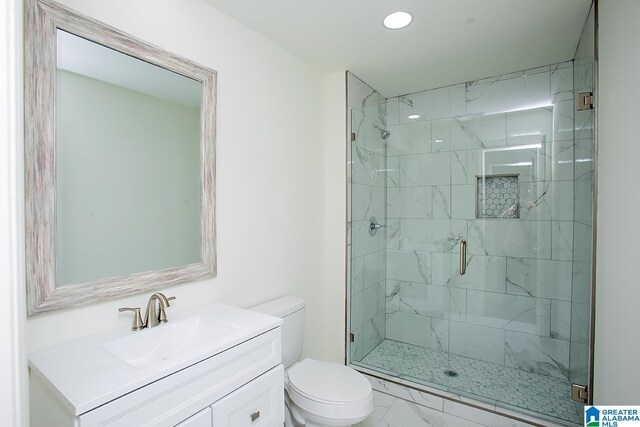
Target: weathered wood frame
(42, 19)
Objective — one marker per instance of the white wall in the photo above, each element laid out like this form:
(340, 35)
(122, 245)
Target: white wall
(617, 371)
(13, 391)
(271, 205)
(334, 294)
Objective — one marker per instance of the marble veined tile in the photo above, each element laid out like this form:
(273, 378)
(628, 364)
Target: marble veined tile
(374, 268)
(441, 135)
(409, 138)
(536, 200)
(545, 356)
(532, 126)
(563, 129)
(509, 312)
(462, 201)
(367, 167)
(410, 202)
(530, 162)
(441, 201)
(439, 334)
(430, 104)
(367, 201)
(436, 235)
(459, 168)
(478, 132)
(409, 266)
(477, 382)
(402, 392)
(392, 111)
(362, 242)
(562, 240)
(426, 300)
(374, 331)
(526, 239)
(561, 320)
(562, 160)
(483, 273)
(539, 278)
(403, 413)
(364, 306)
(408, 327)
(373, 140)
(392, 295)
(583, 239)
(562, 81)
(477, 342)
(457, 99)
(357, 275)
(425, 169)
(508, 93)
(357, 346)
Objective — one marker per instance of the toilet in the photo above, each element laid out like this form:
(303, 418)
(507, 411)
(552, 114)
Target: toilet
(317, 394)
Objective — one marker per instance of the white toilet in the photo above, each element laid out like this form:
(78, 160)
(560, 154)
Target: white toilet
(317, 394)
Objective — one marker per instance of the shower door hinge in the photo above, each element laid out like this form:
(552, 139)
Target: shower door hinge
(585, 101)
(579, 393)
(352, 338)
(353, 136)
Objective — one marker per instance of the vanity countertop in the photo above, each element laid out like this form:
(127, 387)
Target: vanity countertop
(85, 374)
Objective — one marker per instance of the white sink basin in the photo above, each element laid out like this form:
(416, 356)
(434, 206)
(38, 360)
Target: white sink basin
(150, 346)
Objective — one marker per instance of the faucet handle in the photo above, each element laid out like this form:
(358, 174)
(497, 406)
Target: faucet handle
(162, 315)
(137, 324)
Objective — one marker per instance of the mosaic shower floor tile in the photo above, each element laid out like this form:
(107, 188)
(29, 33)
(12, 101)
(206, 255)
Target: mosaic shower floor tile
(499, 384)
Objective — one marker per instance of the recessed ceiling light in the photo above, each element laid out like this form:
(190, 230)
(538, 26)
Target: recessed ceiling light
(414, 116)
(397, 20)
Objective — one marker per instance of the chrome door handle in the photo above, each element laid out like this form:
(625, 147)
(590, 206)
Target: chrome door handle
(463, 257)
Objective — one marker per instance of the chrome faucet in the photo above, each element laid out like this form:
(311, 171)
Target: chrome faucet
(154, 315)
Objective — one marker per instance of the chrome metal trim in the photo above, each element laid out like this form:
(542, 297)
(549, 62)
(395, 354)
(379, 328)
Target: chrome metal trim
(594, 216)
(463, 257)
(347, 269)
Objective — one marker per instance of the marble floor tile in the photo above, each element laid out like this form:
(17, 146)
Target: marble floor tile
(506, 386)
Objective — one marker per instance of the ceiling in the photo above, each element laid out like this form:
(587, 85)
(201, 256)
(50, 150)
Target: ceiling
(449, 41)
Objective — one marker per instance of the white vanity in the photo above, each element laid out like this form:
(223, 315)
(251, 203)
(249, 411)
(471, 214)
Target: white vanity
(214, 365)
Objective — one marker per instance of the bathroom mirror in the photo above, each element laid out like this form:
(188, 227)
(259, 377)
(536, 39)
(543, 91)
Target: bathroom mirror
(120, 161)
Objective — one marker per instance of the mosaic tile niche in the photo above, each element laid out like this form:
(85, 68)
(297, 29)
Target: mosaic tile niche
(497, 196)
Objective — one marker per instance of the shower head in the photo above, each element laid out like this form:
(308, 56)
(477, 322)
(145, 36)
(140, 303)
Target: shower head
(384, 134)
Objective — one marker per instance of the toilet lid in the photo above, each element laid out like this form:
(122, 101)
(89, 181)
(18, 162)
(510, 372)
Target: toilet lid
(328, 382)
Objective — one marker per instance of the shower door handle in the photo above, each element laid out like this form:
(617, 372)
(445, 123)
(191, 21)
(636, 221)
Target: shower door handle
(463, 257)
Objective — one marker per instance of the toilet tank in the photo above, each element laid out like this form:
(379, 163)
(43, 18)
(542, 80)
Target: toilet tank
(291, 310)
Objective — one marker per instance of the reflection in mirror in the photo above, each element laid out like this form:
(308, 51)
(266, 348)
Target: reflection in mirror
(127, 164)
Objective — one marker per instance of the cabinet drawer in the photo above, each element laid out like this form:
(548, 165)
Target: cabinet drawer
(259, 403)
(201, 419)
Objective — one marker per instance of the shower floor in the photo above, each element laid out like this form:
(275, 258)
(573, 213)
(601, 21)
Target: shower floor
(498, 384)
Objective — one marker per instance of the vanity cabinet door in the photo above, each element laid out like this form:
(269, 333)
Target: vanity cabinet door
(259, 403)
(201, 419)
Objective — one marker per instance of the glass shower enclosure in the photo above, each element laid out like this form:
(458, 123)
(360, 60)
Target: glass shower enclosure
(470, 238)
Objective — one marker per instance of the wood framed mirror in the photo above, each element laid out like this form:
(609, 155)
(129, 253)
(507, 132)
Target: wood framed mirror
(119, 162)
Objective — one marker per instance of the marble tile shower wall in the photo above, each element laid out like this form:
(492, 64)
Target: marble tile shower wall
(582, 225)
(513, 306)
(367, 195)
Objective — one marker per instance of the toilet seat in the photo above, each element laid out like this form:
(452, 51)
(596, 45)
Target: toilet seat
(329, 390)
